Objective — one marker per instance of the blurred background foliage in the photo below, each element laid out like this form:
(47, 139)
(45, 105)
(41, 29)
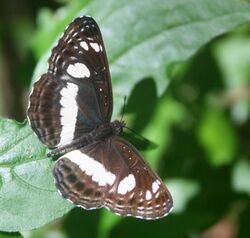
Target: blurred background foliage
(200, 124)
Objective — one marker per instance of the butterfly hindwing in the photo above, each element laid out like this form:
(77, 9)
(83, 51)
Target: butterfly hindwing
(116, 176)
(88, 168)
(75, 184)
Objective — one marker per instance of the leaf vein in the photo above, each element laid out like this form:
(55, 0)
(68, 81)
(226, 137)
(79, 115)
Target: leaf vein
(30, 185)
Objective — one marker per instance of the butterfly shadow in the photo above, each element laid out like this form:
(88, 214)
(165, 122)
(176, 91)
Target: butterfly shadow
(142, 114)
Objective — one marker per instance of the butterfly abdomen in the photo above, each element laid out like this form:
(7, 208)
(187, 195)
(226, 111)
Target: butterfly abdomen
(106, 130)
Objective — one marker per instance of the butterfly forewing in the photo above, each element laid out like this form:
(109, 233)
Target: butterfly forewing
(112, 174)
(80, 54)
(75, 95)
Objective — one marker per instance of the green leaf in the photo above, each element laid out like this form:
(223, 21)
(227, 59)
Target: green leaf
(108, 221)
(241, 176)
(143, 38)
(10, 235)
(233, 54)
(159, 128)
(28, 197)
(182, 190)
(217, 137)
(53, 24)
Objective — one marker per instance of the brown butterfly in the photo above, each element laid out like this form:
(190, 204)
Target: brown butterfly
(70, 111)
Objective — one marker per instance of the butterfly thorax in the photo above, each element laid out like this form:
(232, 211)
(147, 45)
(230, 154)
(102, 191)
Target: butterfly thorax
(106, 130)
(99, 133)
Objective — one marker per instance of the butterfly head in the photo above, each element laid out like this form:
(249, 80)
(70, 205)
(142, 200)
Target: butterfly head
(117, 126)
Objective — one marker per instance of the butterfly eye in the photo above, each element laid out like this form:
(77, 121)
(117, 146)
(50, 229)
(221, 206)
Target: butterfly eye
(70, 111)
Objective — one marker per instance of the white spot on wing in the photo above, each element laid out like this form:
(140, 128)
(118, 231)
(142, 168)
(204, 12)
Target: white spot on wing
(95, 47)
(78, 70)
(127, 184)
(74, 35)
(91, 167)
(148, 195)
(170, 210)
(155, 186)
(84, 45)
(67, 198)
(28, 107)
(68, 112)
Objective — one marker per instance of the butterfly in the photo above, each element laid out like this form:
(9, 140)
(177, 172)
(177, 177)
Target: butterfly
(70, 111)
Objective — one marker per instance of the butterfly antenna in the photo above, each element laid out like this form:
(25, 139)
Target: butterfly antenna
(123, 110)
(124, 106)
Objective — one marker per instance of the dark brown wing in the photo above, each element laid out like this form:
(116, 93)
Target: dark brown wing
(80, 54)
(137, 191)
(114, 175)
(81, 178)
(75, 95)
